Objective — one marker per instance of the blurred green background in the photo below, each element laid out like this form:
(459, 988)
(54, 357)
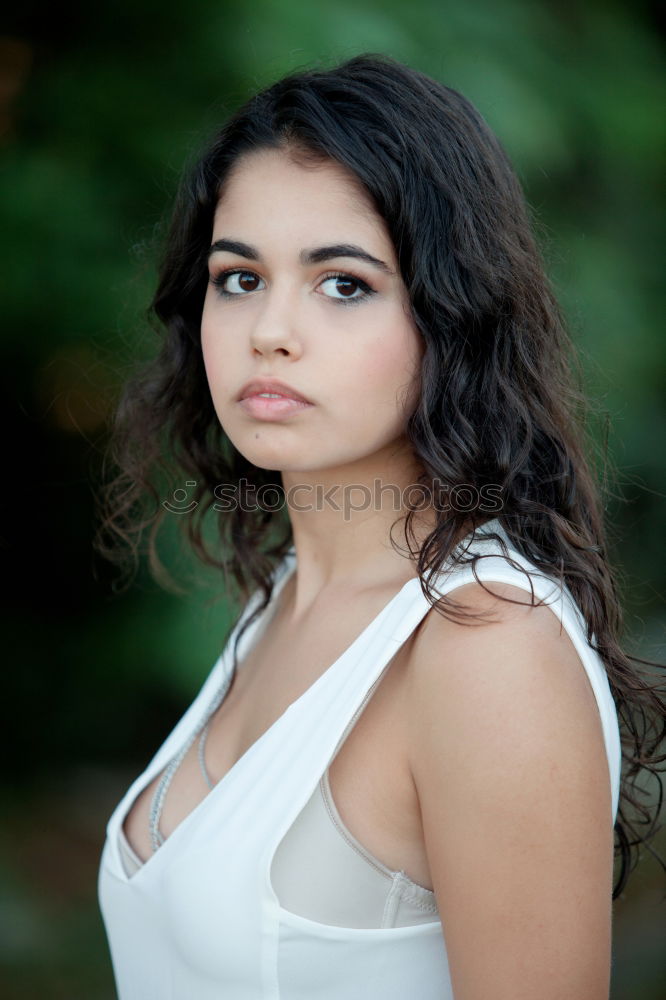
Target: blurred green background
(100, 107)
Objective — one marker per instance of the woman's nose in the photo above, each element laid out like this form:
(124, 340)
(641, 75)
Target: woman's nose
(276, 324)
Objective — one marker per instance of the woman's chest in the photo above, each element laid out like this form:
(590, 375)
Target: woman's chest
(369, 776)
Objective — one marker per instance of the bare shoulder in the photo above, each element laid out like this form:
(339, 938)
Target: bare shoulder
(507, 756)
(517, 658)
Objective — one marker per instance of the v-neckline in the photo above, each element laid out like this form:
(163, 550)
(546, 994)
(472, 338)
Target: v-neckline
(160, 763)
(283, 572)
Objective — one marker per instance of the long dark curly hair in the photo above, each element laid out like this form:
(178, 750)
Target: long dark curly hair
(500, 401)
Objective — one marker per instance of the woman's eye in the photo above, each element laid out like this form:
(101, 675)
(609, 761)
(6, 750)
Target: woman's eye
(236, 282)
(345, 288)
(340, 287)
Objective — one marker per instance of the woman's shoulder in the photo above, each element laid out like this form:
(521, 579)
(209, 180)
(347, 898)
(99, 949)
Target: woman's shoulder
(518, 648)
(507, 757)
(505, 639)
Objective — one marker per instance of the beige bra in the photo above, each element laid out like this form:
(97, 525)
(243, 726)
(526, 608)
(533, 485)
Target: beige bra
(321, 871)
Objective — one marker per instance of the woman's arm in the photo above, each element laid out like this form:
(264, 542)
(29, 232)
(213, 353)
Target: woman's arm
(508, 759)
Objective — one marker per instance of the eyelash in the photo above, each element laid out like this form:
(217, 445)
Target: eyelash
(219, 279)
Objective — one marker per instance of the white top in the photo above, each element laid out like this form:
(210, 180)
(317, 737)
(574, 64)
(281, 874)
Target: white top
(321, 871)
(203, 918)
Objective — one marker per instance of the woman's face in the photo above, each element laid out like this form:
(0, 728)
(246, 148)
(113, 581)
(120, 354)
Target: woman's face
(304, 288)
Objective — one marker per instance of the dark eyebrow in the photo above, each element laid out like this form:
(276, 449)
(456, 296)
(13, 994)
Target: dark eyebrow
(315, 256)
(320, 254)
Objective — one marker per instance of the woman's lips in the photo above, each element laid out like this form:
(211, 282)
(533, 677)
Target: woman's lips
(272, 407)
(273, 386)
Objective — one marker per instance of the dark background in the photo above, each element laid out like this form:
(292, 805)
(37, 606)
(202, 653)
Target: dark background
(100, 107)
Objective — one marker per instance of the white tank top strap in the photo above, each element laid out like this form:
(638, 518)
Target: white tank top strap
(218, 678)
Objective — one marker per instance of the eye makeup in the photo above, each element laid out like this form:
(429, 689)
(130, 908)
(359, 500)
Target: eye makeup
(221, 279)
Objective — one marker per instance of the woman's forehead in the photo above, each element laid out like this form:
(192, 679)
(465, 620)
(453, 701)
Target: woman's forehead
(279, 168)
(270, 187)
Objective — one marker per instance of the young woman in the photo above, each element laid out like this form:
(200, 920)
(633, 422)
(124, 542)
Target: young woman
(402, 776)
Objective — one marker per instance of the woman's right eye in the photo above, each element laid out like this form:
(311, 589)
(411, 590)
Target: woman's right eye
(236, 282)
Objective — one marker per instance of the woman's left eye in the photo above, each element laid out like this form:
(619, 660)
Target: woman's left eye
(345, 288)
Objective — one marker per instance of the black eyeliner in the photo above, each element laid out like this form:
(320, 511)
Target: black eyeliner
(218, 280)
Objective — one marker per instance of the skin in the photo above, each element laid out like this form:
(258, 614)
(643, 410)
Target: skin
(506, 793)
(357, 361)
(507, 755)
